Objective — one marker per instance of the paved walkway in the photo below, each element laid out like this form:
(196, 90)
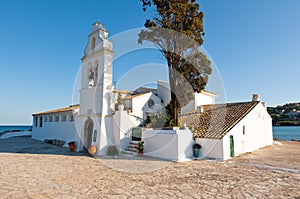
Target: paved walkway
(32, 169)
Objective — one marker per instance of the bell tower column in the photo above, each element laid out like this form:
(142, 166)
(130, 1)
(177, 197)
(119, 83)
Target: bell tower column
(96, 90)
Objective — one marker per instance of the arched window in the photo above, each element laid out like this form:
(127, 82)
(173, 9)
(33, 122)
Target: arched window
(93, 43)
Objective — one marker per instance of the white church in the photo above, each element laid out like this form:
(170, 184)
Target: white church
(109, 117)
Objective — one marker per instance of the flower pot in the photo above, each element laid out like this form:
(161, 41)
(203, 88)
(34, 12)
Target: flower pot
(140, 154)
(92, 150)
(72, 146)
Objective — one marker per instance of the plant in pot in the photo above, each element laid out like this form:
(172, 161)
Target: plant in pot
(140, 148)
(72, 146)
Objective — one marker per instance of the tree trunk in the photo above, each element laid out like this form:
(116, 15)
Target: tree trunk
(174, 100)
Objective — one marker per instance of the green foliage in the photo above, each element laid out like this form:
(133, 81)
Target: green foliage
(112, 150)
(140, 147)
(169, 120)
(281, 115)
(160, 120)
(177, 31)
(120, 100)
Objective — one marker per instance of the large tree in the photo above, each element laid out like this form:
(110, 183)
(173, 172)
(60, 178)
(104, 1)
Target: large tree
(177, 31)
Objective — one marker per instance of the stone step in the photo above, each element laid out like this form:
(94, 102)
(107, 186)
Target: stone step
(131, 147)
(130, 153)
(131, 150)
(134, 142)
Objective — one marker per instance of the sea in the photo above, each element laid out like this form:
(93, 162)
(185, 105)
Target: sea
(281, 132)
(286, 132)
(16, 127)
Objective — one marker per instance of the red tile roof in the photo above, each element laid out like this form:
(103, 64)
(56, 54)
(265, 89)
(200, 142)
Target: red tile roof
(216, 120)
(70, 108)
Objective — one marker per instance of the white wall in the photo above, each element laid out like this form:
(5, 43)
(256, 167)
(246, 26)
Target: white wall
(258, 133)
(210, 148)
(122, 125)
(174, 145)
(202, 98)
(140, 105)
(64, 131)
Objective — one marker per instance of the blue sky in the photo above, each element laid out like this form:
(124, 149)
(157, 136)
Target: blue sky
(255, 45)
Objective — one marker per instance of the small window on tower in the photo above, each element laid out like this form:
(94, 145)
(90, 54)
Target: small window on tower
(93, 43)
(244, 130)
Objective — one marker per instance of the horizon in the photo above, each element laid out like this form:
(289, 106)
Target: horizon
(253, 44)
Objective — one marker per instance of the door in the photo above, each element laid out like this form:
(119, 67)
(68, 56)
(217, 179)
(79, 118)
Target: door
(88, 134)
(137, 134)
(231, 146)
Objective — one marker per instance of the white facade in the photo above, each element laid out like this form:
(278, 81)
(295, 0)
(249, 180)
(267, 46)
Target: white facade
(98, 122)
(59, 126)
(200, 99)
(95, 121)
(253, 132)
(174, 145)
(139, 105)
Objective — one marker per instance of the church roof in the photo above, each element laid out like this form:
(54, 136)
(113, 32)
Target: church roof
(70, 108)
(134, 96)
(122, 91)
(216, 120)
(144, 89)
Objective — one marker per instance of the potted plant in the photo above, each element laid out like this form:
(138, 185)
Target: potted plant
(140, 148)
(72, 146)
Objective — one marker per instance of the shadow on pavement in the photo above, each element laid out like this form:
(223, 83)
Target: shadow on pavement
(26, 145)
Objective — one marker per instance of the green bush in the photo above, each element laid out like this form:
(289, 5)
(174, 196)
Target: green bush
(112, 150)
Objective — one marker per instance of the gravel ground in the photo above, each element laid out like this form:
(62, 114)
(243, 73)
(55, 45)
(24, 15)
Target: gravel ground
(33, 169)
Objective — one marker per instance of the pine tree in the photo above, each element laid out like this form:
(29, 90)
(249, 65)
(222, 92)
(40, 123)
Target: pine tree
(177, 31)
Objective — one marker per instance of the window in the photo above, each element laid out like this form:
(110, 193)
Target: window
(93, 43)
(63, 118)
(95, 136)
(41, 121)
(244, 130)
(50, 118)
(36, 121)
(71, 117)
(151, 103)
(57, 118)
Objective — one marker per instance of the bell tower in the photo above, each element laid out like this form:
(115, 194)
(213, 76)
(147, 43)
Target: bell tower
(96, 89)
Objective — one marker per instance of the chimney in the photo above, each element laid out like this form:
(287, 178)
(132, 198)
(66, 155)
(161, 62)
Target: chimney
(255, 98)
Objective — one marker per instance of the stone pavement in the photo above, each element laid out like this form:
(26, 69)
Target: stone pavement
(32, 169)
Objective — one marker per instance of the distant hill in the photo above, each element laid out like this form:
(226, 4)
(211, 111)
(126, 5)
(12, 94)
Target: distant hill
(286, 115)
